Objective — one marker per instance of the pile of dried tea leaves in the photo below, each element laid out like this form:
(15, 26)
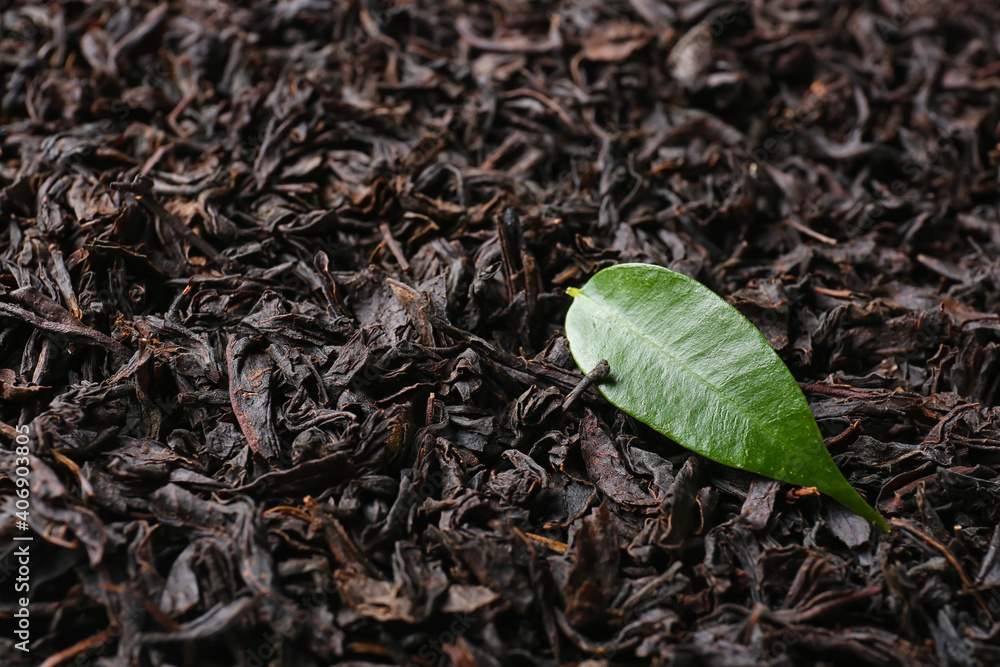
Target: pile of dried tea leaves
(282, 290)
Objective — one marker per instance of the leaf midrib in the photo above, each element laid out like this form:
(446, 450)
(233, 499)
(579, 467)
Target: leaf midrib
(680, 363)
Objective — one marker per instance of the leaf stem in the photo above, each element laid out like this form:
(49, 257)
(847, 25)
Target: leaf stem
(601, 371)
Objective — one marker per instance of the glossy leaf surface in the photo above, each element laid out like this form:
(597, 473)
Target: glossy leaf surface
(691, 366)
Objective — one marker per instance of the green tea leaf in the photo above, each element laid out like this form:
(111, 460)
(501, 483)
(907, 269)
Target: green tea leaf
(691, 366)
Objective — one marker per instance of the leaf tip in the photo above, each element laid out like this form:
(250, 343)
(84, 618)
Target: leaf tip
(573, 292)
